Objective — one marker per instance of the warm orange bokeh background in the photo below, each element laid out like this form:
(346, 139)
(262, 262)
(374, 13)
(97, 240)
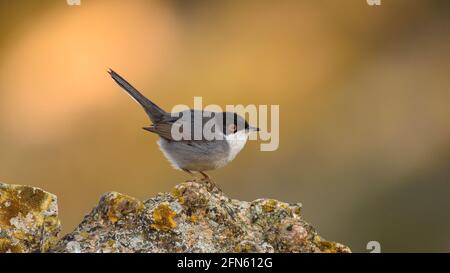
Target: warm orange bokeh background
(363, 94)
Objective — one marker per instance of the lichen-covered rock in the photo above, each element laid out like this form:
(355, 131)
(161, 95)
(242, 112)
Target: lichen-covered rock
(194, 217)
(28, 219)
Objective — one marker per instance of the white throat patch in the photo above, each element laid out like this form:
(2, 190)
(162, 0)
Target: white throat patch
(237, 142)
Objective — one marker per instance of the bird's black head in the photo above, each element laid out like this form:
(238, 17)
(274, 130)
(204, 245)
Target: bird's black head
(233, 123)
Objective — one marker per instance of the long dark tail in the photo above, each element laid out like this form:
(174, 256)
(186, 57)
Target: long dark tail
(155, 113)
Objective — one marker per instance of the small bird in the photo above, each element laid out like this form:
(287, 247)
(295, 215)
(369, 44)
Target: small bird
(194, 154)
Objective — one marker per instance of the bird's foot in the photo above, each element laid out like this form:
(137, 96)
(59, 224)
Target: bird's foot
(205, 179)
(209, 182)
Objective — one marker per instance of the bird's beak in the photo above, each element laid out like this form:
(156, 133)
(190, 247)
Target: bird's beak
(253, 129)
(147, 128)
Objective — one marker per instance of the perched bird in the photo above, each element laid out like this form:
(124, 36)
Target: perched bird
(210, 151)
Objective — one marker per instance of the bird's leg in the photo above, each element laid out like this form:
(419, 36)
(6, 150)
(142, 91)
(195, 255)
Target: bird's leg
(187, 171)
(191, 173)
(208, 180)
(205, 176)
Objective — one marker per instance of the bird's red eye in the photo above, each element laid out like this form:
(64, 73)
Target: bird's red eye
(232, 128)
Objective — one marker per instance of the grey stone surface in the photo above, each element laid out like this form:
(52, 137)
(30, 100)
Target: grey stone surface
(194, 217)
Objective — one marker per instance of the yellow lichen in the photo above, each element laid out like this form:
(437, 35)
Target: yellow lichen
(244, 247)
(7, 246)
(163, 217)
(84, 234)
(177, 192)
(22, 200)
(111, 243)
(325, 246)
(23, 211)
(297, 210)
(120, 205)
(269, 205)
(20, 234)
(47, 244)
(194, 218)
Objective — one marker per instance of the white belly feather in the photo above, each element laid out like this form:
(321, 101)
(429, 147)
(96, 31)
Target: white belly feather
(182, 156)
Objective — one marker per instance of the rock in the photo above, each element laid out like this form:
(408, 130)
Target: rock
(28, 219)
(194, 217)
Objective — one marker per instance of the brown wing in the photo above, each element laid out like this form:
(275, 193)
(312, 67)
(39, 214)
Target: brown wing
(162, 129)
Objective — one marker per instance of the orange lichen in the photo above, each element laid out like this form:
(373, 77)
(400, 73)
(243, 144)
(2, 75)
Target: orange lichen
(163, 217)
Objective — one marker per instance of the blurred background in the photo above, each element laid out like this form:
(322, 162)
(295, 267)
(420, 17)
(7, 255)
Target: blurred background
(363, 94)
